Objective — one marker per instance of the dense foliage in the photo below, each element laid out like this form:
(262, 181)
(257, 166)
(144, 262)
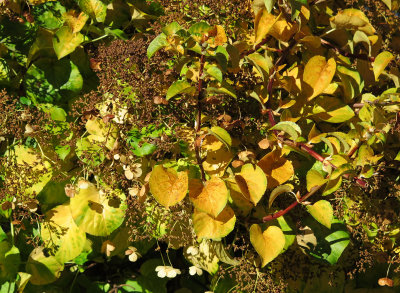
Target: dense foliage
(192, 146)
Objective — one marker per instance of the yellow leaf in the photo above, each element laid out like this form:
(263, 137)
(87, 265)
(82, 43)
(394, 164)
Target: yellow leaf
(317, 76)
(210, 198)
(218, 36)
(283, 30)
(263, 24)
(76, 21)
(252, 182)
(217, 155)
(314, 178)
(322, 211)
(101, 132)
(240, 200)
(352, 19)
(168, 186)
(277, 168)
(380, 63)
(59, 230)
(208, 227)
(268, 244)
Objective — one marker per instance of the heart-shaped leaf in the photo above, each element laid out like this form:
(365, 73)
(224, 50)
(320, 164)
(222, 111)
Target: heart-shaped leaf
(97, 212)
(210, 198)
(322, 211)
(268, 244)
(44, 269)
(60, 231)
(208, 227)
(317, 76)
(168, 186)
(252, 182)
(277, 168)
(65, 41)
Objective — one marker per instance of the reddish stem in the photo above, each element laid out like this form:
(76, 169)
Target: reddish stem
(295, 203)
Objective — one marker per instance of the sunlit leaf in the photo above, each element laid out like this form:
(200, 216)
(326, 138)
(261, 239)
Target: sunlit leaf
(98, 212)
(318, 74)
(168, 186)
(240, 201)
(60, 232)
(218, 156)
(277, 168)
(380, 63)
(65, 41)
(75, 21)
(44, 269)
(96, 9)
(252, 181)
(263, 23)
(222, 135)
(211, 197)
(286, 188)
(268, 244)
(208, 227)
(352, 19)
(177, 88)
(156, 44)
(322, 211)
(314, 178)
(289, 127)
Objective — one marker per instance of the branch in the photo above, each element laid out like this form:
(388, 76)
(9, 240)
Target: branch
(197, 126)
(256, 47)
(345, 53)
(295, 203)
(320, 158)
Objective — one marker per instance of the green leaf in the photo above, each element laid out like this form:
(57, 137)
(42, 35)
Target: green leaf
(222, 135)
(49, 14)
(330, 243)
(269, 4)
(225, 88)
(52, 81)
(171, 28)
(62, 151)
(289, 127)
(159, 42)
(178, 87)
(96, 9)
(199, 28)
(215, 72)
(3, 235)
(322, 211)
(65, 41)
(352, 82)
(9, 261)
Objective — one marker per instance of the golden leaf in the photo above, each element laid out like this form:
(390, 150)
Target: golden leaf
(277, 168)
(268, 244)
(210, 198)
(168, 186)
(317, 76)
